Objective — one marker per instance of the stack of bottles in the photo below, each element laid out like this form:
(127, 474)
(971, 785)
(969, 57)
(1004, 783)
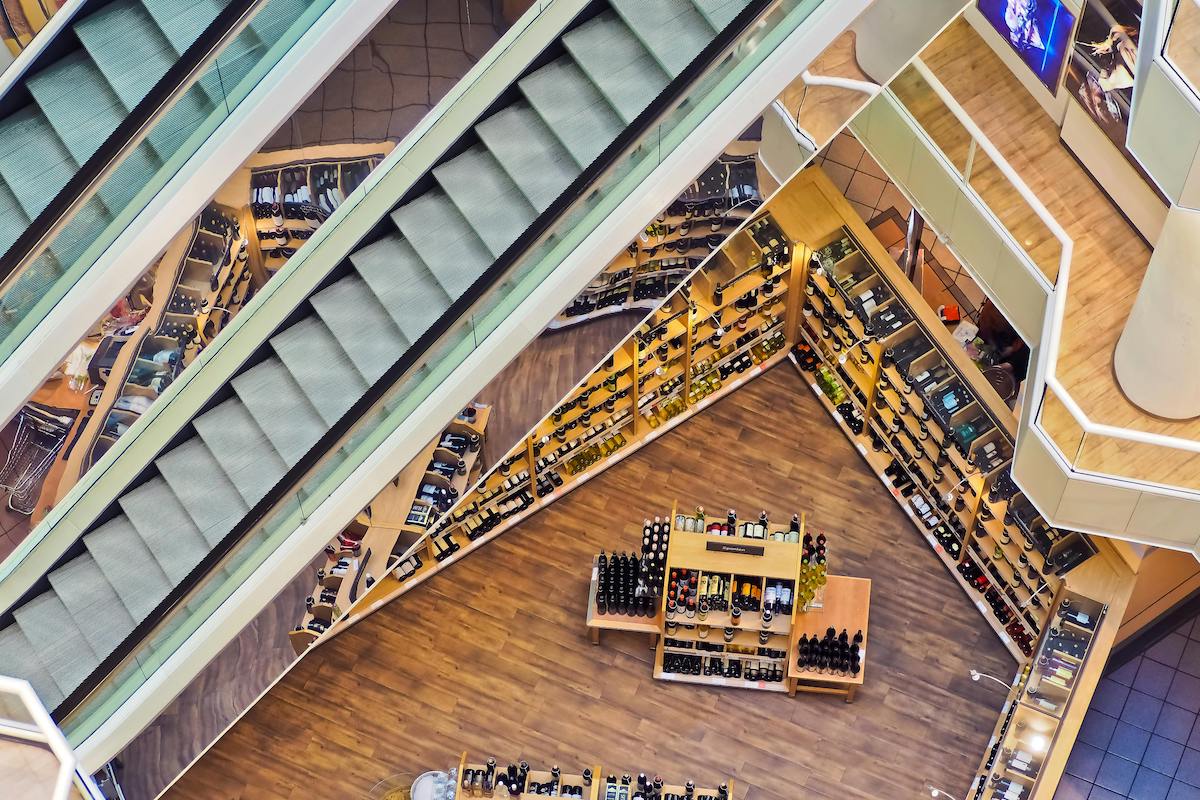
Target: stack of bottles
(627, 585)
(814, 569)
(514, 780)
(834, 653)
(654, 789)
(715, 666)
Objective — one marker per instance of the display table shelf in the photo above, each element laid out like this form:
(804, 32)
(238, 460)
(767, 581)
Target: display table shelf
(847, 607)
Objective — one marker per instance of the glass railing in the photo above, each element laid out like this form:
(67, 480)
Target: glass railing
(1183, 43)
(498, 293)
(986, 178)
(60, 261)
(375, 197)
(1153, 463)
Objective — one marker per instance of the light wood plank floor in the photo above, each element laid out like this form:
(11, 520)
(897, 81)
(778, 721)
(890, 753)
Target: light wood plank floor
(1107, 269)
(491, 655)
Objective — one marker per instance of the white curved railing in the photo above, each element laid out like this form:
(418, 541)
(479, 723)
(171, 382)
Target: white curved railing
(1057, 292)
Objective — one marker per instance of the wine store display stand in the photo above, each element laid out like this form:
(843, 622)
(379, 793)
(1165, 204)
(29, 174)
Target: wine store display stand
(598, 788)
(591, 792)
(597, 622)
(819, 215)
(847, 607)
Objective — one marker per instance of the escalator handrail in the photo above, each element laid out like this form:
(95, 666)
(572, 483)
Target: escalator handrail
(90, 177)
(289, 484)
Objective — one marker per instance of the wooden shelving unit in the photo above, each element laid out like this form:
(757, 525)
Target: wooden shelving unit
(595, 785)
(301, 194)
(200, 269)
(389, 527)
(747, 643)
(668, 249)
(883, 406)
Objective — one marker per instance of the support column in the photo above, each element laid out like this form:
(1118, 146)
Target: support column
(1156, 360)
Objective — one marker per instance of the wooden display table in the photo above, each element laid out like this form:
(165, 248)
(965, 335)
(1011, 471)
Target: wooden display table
(596, 786)
(596, 622)
(847, 607)
(748, 654)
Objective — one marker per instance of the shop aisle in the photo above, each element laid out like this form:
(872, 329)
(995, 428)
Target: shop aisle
(492, 655)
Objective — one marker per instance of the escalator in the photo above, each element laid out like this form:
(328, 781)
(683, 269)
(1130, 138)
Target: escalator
(67, 171)
(585, 102)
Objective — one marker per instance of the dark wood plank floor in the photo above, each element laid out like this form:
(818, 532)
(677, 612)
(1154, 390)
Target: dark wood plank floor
(492, 656)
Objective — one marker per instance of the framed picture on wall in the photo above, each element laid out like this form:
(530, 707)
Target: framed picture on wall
(1039, 31)
(1100, 73)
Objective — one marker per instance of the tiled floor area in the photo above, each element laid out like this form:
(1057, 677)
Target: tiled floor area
(397, 73)
(1140, 739)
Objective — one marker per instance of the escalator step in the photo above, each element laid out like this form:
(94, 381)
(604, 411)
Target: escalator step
(93, 603)
(444, 240)
(164, 525)
(530, 153)
(20, 661)
(403, 284)
(573, 108)
(320, 367)
(57, 640)
(361, 325)
(203, 488)
(129, 566)
(488, 199)
(673, 30)
(278, 405)
(613, 58)
(242, 449)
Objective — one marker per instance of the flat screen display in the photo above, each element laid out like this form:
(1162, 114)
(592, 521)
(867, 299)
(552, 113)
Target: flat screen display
(1039, 31)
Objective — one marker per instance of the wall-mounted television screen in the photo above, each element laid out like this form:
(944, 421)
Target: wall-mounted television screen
(1039, 31)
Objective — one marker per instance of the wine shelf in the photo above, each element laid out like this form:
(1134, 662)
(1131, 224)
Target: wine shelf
(371, 545)
(673, 245)
(593, 783)
(893, 417)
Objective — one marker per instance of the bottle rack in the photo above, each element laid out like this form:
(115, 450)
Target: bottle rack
(210, 272)
(377, 540)
(1029, 724)
(288, 202)
(884, 371)
(750, 651)
(592, 783)
(672, 246)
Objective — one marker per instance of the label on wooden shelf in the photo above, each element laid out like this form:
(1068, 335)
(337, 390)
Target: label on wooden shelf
(735, 547)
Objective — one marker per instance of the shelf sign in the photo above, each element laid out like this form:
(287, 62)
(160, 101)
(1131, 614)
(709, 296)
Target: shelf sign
(735, 547)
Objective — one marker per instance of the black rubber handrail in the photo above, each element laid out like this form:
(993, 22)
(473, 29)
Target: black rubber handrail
(289, 484)
(85, 183)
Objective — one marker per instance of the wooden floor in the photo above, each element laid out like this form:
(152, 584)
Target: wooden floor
(825, 110)
(1107, 269)
(491, 655)
(1183, 43)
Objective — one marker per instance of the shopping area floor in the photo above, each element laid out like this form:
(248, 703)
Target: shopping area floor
(1140, 739)
(492, 655)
